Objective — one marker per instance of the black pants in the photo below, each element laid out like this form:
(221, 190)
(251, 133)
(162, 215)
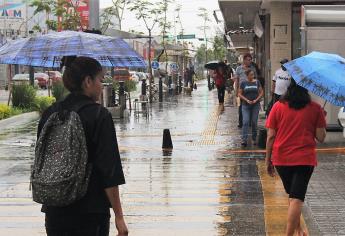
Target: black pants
(221, 93)
(90, 225)
(295, 180)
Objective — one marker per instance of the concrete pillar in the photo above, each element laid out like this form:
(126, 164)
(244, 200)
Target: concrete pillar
(280, 33)
(94, 15)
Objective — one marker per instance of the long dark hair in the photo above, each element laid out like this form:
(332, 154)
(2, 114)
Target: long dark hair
(76, 69)
(296, 96)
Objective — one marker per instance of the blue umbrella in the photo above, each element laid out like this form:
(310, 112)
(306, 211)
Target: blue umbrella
(47, 50)
(321, 73)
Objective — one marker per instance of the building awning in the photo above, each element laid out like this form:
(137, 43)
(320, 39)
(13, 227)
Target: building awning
(239, 18)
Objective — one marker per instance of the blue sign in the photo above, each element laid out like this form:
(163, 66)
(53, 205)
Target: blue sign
(174, 67)
(155, 65)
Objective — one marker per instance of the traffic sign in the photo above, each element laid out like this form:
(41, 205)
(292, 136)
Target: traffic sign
(174, 67)
(155, 65)
(186, 36)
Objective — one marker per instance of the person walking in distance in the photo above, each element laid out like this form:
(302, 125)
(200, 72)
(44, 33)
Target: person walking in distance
(294, 125)
(239, 77)
(89, 215)
(220, 80)
(250, 93)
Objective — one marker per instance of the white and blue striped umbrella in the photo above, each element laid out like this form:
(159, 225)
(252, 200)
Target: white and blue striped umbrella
(47, 50)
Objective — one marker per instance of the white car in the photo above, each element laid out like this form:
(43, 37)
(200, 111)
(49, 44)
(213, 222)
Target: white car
(341, 118)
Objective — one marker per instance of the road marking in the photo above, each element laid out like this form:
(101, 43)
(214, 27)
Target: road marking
(275, 202)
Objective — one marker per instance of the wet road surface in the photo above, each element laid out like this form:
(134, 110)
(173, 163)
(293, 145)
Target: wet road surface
(207, 185)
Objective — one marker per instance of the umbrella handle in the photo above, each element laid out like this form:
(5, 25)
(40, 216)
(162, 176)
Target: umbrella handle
(324, 104)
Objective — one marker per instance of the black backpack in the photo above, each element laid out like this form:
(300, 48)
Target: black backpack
(61, 172)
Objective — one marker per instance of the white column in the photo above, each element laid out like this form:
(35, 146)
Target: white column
(94, 14)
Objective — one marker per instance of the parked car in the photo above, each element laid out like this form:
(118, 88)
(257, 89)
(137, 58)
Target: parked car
(40, 79)
(341, 118)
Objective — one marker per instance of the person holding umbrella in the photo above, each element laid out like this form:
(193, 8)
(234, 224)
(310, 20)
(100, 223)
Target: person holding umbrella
(89, 215)
(220, 80)
(295, 122)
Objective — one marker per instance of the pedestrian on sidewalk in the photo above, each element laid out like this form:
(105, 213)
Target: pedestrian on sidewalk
(280, 83)
(90, 215)
(240, 76)
(294, 125)
(250, 93)
(220, 80)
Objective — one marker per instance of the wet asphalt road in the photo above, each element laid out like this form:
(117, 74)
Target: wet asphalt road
(205, 186)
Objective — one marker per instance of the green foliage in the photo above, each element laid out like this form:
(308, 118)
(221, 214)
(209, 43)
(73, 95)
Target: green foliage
(219, 49)
(62, 8)
(59, 91)
(116, 10)
(6, 111)
(43, 102)
(23, 96)
(130, 85)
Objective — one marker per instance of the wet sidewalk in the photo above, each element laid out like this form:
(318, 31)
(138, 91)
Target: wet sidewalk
(207, 185)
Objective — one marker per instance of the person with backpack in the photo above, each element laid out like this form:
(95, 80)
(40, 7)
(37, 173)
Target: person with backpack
(250, 92)
(77, 167)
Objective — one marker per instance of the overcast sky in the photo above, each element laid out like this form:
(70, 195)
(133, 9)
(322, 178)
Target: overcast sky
(188, 15)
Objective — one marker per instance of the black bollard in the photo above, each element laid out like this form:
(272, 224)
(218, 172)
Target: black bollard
(195, 86)
(167, 142)
(262, 137)
(160, 90)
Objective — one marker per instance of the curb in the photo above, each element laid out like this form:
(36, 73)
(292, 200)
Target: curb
(19, 120)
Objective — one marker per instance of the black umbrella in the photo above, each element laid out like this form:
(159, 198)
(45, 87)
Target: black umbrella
(211, 65)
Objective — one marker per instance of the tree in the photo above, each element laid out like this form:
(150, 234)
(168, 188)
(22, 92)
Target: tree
(219, 50)
(117, 9)
(165, 25)
(148, 12)
(62, 9)
(203, 14)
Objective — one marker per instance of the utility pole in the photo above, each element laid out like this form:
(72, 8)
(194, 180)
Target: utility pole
(94, 15)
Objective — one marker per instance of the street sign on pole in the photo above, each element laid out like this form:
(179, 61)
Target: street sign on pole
(186, 36)
(155, 65)
(174, 67)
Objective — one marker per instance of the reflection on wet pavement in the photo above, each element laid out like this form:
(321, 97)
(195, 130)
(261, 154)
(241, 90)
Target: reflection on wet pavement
(204, 186)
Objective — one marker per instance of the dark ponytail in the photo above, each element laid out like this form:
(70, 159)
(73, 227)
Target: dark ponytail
(76, 69)
(296, 96)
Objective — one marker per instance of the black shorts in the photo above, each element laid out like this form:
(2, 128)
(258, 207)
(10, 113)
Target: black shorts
(295, 179)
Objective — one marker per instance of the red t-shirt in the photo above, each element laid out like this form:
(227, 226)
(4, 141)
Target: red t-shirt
(295, 143)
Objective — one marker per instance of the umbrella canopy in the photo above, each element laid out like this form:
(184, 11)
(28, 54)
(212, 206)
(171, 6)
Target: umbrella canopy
(47, 50)
(212, 65)
(321, 73)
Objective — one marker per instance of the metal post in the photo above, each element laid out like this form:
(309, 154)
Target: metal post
(32, 75)
(143, 87)
(160, 89)
(209, 82)
(179, 84)
(122, 98)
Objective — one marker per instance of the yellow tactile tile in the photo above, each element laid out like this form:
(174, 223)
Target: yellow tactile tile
(275, 202)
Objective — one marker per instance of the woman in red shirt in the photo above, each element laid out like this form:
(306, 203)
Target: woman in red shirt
(294, 125)
(219, 78)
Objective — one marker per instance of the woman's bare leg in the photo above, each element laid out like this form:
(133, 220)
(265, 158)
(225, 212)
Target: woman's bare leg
(294, 216)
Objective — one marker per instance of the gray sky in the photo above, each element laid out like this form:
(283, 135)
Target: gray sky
(188, 15)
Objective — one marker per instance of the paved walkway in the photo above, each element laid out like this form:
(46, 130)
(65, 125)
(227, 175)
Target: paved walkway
(207, 185)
